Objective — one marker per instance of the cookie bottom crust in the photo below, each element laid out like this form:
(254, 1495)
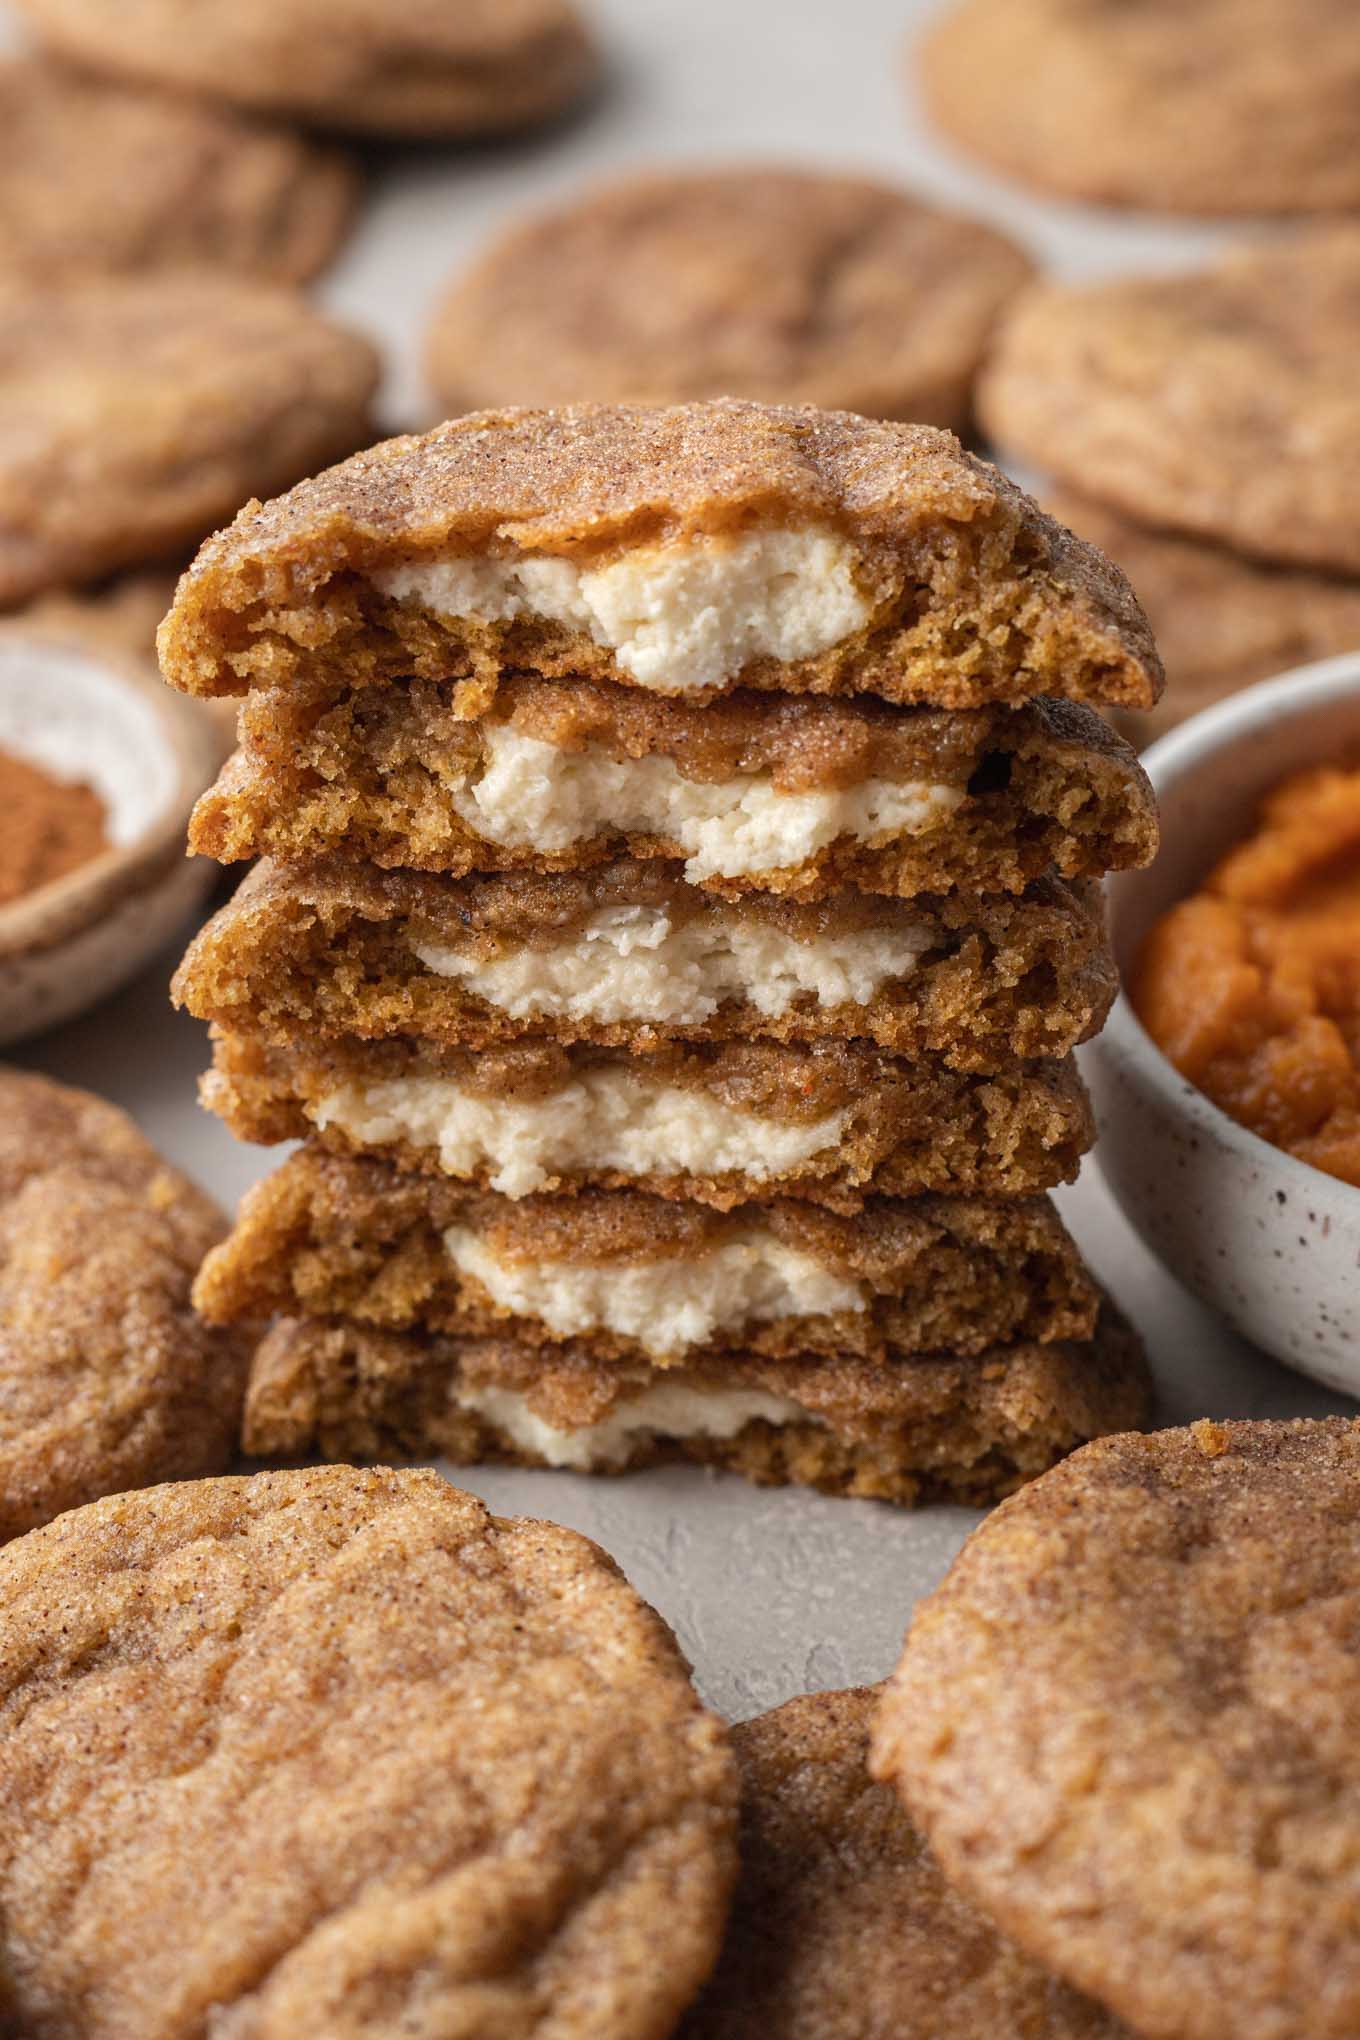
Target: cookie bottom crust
(921, 1430)
(905, 1128)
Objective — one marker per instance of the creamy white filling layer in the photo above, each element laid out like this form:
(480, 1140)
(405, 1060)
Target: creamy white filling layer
(659, 1412)
(633, 963)
(607, 1118)
(534, 794)
(667, 1305)
(678, 617)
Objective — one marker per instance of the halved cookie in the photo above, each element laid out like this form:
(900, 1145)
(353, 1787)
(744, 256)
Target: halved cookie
(631, 1277)
(928, 1427)
(831, 1120)
(630, 955)
(752, 791)
(683, 551)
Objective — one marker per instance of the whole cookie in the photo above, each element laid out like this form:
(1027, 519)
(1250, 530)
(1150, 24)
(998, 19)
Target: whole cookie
(426, 67)
(1126, 1723)
(108, 1378)
(1222, 403)
(138, 413)
(1221, 621)
(334, 1752)
(843, 1927)
(1224, 106)
(752, 281)
(99, 178)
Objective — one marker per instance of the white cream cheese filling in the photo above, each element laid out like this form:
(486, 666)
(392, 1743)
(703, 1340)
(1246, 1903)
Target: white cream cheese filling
(668, 1305)
(606, 1119)
(660, 1412)
(539, 795)
(678, 617)
(633, 963)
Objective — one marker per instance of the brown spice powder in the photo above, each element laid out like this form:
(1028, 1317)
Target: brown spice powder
(47, 827)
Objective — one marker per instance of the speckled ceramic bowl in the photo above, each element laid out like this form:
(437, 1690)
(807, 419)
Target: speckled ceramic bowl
(106, 719)
(1269, 1243)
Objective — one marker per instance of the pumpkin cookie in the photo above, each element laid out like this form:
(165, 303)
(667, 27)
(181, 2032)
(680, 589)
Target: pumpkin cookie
(1226, 106)
(100, 178)
(1221, 403)
(339, 1752)
(135, 413)
(833, 1120)
(1126, 1724)
(753, 281)
(926, 1427)
(108, 1379)
(421, 69)
(843, 1927)
(629, 955)
(682, 551)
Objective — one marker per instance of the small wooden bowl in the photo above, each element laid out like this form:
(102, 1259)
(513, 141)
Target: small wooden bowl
(103, 716)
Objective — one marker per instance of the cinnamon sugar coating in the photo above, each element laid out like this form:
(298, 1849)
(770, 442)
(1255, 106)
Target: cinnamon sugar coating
(975, 595)
(931, 1428)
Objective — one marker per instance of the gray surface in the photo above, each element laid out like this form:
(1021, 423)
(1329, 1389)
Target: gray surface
(772, 1593)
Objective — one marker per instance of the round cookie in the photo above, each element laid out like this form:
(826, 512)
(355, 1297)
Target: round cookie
(1126, 1723)
(842, 1927)
(1222, 403)
(1224, 106)
(138, 413)
(1221, 621)
(108, 1378)
(338, 1752)
(753, 281)
(99, 179)
(424, 68)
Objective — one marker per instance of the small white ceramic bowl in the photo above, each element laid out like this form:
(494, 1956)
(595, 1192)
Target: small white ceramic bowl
(1269, 1243)
(106, 719)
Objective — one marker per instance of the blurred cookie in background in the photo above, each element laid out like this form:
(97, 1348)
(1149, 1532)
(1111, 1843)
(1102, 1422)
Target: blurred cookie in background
(750, 281)
(100, 178)
(138, 414)
(1223, 403)
(426, 68)
(1222, 106)
(1221, 621)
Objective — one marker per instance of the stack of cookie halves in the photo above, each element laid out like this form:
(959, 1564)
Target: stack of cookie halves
(677, 909)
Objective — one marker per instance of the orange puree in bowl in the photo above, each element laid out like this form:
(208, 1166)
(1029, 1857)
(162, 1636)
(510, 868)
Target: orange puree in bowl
(1251, 986)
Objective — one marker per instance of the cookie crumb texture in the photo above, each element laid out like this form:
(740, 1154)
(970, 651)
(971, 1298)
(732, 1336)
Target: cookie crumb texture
(338, 1752)
(426, 68)
(750, 281)
(1126, 1723)
(1226, 106)
(843, 1927)
(108, 1379)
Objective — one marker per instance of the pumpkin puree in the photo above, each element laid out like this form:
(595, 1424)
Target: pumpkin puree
(1251, 986)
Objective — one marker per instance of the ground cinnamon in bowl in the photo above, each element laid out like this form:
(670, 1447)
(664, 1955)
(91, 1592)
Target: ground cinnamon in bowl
(48, 826)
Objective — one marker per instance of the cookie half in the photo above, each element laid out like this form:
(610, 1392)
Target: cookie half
(755, 280)
(630, 956)
(635, 1278)
(682, 550)
(1125, 1723)
(931, 1427)
(340, 1752)
(750, 790)
(108, 1378)
(1222, 621)
(1219, 403)
(136, 413)
(478, 67)
(834, 1121)
(843, 1927)
(100, 178)
(1229, 106)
